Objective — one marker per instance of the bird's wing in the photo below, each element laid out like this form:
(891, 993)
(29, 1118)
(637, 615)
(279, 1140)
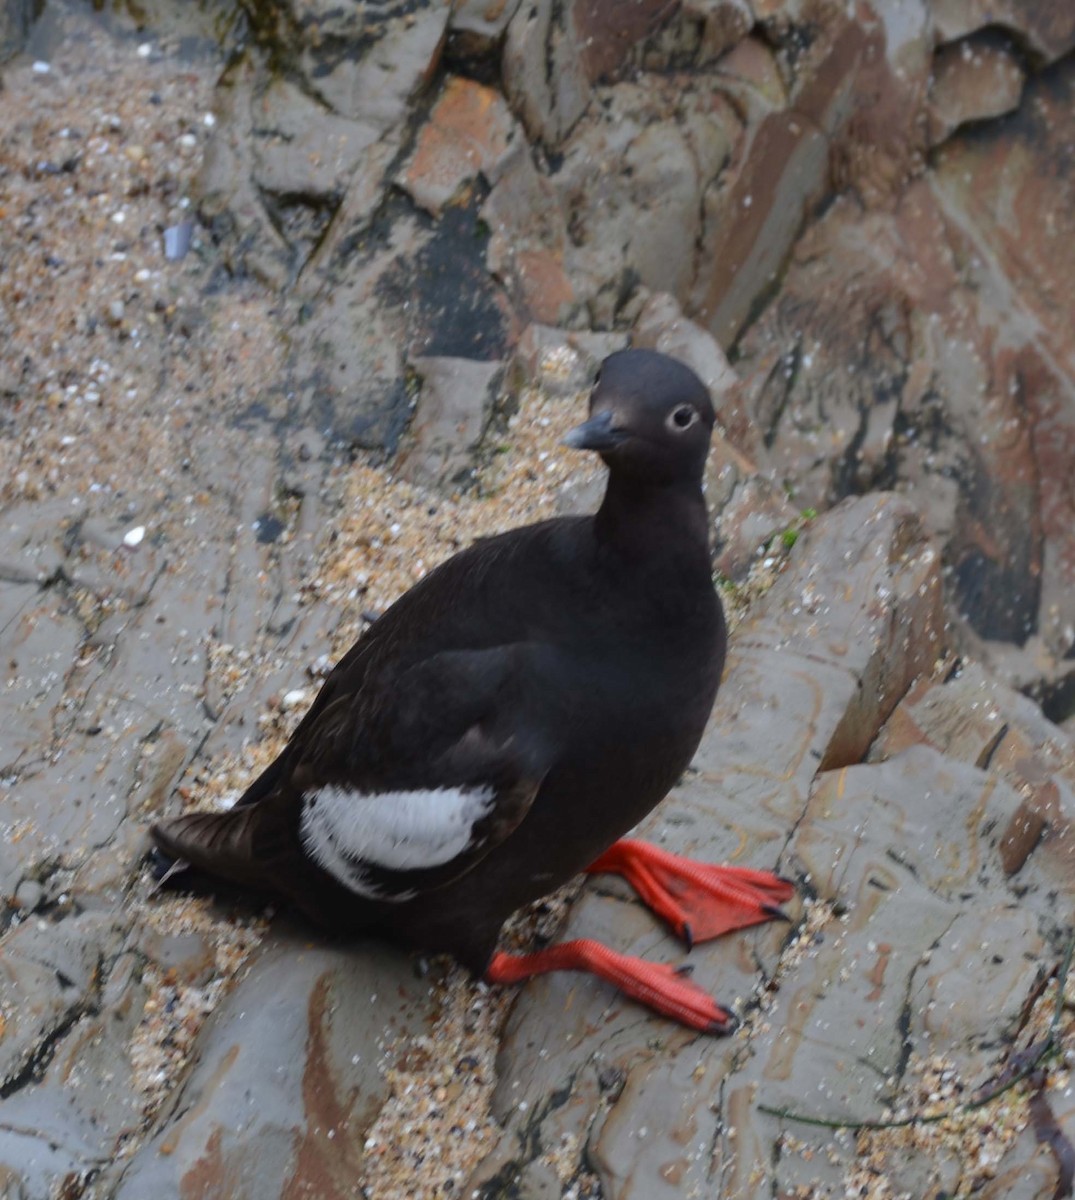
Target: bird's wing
(407, 791)
(400, 788)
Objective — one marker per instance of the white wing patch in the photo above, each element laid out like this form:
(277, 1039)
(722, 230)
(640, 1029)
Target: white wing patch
(342, 829)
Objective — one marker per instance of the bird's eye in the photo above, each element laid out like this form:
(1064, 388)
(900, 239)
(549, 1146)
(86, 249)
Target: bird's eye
(682, 417)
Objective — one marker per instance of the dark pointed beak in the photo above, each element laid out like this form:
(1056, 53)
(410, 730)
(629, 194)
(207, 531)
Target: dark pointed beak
(595, 434)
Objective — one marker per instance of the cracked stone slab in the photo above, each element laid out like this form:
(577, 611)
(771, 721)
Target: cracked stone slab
(974, 718)
(68, 1126)
(68, 812)
(39, 641)
(907, 849)
(49, 974)
(287, 1078)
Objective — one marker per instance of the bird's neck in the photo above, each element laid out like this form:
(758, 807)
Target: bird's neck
(655, 522)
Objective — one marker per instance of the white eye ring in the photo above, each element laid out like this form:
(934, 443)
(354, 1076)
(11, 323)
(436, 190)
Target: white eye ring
(681, 418)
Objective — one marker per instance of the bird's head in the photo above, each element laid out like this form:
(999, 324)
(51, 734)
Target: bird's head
(650, 417)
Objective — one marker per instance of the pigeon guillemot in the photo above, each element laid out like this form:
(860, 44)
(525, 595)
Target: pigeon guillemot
(510, 717)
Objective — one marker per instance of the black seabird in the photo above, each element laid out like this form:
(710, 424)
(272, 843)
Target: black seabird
(510, 718)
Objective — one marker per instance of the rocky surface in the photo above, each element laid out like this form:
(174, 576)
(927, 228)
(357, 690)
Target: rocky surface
(297, 300)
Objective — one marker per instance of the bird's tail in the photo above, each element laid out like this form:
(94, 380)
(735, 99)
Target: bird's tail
(220, 844)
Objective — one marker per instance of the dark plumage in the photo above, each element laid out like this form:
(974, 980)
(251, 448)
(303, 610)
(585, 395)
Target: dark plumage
(509, 717)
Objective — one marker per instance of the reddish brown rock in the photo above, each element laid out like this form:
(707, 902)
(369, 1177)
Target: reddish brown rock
(869, 313)
(528, 241)
(751, 221)
(606, 30)
(470, 130)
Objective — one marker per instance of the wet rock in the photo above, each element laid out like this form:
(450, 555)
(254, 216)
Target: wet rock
(269, 198)
(898, 406)
(1032, 260)
(63, 1128)
(972, 717)
(29, 894)
(734, 182)
(903, 903)
(554, 54)
(227, 196)
(750, 75)
(347, 361)
(41, 639)
(452, 410)
(289, 122)
(68, 810)
(370, 75)
(973, 80)
(33, 541)
(751, 512)
(287, 1077)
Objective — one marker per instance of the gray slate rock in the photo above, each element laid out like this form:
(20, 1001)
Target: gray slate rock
(287, 1078)
(453, 408)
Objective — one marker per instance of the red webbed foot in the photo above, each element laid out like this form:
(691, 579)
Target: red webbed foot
(698, 900)
(662, 988)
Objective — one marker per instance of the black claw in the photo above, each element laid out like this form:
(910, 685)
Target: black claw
(163, 866)
(729, 1025)
(687, 934)
(685, 969)
(159, 862)
(776, 912)
(790, 882)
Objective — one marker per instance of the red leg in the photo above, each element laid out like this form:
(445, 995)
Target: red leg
(661, 988)
(699, 900)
